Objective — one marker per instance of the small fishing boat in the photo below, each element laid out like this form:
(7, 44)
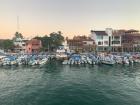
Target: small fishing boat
(61, 54)
(89, 60)
(6, 62)
(108, 62)
(136, 58)
(43, 61)
(125, 61)
(65, 62)
(118, 59)
(33, 62)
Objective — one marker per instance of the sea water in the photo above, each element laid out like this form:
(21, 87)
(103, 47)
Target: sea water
(57, 84)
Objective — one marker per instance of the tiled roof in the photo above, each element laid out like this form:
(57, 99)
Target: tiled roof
(33, 41)
(118, 32)
(130, 31)
(100, 33)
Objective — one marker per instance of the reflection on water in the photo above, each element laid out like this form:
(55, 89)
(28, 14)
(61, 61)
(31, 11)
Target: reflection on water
(57, 84)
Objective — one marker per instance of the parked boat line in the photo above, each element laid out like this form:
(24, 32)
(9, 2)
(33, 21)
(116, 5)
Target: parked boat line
(69, 59)
(103, 58)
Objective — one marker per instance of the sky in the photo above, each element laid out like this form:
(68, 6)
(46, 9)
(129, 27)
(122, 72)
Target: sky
(72, 17)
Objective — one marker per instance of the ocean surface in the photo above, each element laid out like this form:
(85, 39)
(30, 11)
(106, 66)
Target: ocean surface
(57, 84)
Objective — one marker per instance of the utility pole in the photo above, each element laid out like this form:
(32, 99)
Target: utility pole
(18, 26)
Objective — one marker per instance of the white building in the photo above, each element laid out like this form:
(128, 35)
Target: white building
(65, 46)
(101, 39)
(114, 37)
(20, 45)
(106, 40)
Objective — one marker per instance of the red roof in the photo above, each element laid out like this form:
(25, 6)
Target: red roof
(34, 41)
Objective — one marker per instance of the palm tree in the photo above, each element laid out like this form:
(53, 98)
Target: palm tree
(18, 35)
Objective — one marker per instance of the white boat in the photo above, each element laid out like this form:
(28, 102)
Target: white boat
(136, 59)
(107, 62)
(6, 62)
(89, 60)
(118, 59)
(43, 61)
(125, 61)
(33, 62)
(61, 54)
(65, 62)
(72, 61)
(69, 62)
(13, 62)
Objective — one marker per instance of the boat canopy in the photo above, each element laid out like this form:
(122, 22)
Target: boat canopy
(76, 57)
(11, 58)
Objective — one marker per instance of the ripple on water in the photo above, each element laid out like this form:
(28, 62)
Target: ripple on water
(70, 85)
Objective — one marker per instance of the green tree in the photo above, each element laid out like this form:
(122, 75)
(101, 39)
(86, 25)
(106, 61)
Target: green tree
(52, 41)
(57, 39)
(17, 35)
(46, 42)
(7, 44)
(38, 37)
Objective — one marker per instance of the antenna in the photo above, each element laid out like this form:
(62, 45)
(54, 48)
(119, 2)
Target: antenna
(18, 26)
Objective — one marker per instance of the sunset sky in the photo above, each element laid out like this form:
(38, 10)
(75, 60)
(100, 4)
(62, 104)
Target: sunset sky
(72, 17)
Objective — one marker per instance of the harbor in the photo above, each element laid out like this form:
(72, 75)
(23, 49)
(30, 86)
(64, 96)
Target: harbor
(69, 52)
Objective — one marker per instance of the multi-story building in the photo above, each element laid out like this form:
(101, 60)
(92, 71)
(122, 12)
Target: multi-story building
(131, 40)
(33, 46)
(106, 40)
(81, 43)
(116, 40)
(101, 40)
(20, 45)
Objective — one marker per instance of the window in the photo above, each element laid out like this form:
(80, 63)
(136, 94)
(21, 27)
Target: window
(106, 42)
(99, 43)
(117, 38)
(85, 42)
(115, 42)
(100, 37)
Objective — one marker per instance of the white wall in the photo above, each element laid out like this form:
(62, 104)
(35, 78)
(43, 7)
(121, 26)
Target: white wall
(19, 42)
(109, 31)
(105, 38)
